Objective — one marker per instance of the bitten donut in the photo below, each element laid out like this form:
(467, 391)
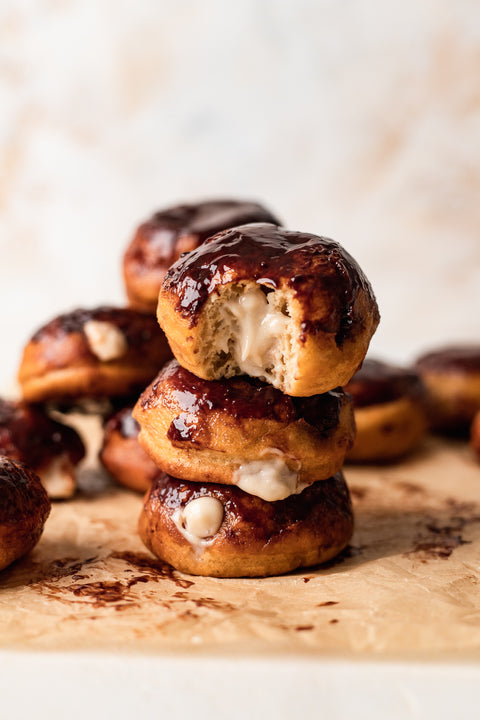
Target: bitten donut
(452, 378)
(221, 531)
(96, 353)
(475, 435)
(161, 240)
(122, 456)
(242, 431)
(24, 509)
(389, 409)
(290, 308)
(51, 449)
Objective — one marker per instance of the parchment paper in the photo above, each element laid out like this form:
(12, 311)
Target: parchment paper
(407, 585)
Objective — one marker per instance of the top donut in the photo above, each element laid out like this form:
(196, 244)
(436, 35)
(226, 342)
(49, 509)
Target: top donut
(291, 308)
(161, 240)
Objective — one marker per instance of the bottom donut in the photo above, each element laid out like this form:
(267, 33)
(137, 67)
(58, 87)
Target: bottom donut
(222, 531)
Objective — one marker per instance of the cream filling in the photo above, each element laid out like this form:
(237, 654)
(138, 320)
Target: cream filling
(58, 478)
(199, 520)
(105, 340)
(269, 479)
(255, 331)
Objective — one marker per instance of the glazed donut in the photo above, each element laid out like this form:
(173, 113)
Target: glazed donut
(53, 450)
(452, 378)
(475, 435)
(161, 240)
(24, 509)
(96, 353)
(389, 409)
(121, 454)
(221, 531)
(290, 308)
(242, 431)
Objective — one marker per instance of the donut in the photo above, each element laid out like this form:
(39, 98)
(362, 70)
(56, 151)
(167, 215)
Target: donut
(122, 456)
(161, 240)
(24, 509)
(290, 308)
(53, 450)
(475, 435)
(389, 409)
(221, 531)
(451, 375)
(96, 353)
(243, 431)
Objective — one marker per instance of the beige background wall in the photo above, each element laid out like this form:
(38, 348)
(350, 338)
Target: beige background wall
(357, 120)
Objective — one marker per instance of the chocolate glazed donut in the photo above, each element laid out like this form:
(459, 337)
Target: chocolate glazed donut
(24, 509)
(291, 308)
(243, 431)
(122, 456)
(53, 450)
(221, 531)
(98, 353)
(452, 378)
(160, 241)
(390, 412)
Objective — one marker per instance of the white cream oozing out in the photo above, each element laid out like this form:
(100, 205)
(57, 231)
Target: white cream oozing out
(58, 478)
(200, 520)
(255, 328)
(270, 479)
(105, 340)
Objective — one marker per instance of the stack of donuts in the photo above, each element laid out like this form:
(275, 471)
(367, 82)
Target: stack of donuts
(248, 422)
(242, 431)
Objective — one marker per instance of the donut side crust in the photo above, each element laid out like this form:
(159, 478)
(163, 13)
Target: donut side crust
(126, 461)
(388, 431)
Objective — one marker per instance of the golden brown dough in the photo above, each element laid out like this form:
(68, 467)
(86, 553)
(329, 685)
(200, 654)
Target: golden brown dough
(243, 431)
(53, 450)
(390, 412)
(249, 537)
(161, 240)
(96, 353)
(24, 509)
(291, 308)
(452, 377)
(122, 456)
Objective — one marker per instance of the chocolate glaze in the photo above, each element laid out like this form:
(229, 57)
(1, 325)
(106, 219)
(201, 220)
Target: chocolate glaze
(22, 496)
(160, 241)
(140, 330)
(454, 358)
(260, 520)
(29, 435)
(240, 397)
(265, 253)
(378, 382)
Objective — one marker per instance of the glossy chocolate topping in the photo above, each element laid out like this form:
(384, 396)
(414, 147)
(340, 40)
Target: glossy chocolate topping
(22, 496)
(456, 358)
(263, 520)
(29, 435)
(379, 382)
(240, 397)
(161, 239)
(139, 329)
(273, 257)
